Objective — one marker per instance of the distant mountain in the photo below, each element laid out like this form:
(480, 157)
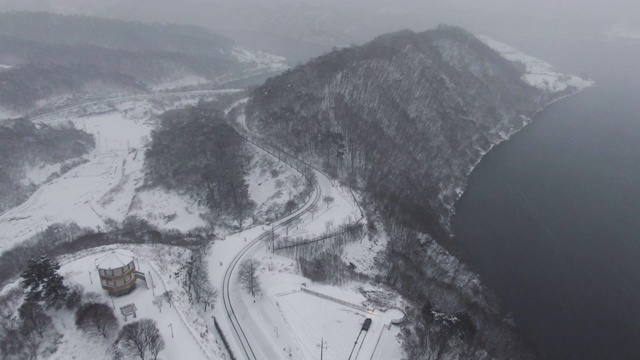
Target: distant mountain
(111, 55)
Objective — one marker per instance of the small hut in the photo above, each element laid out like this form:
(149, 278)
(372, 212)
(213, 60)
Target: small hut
(116, 270)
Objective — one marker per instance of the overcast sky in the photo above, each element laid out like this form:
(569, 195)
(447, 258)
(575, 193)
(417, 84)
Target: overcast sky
(303, 24)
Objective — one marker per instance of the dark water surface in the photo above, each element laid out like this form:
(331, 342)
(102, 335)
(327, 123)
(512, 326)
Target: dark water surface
(551, 218)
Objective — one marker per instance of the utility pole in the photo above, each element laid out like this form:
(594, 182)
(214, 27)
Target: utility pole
(322, 346)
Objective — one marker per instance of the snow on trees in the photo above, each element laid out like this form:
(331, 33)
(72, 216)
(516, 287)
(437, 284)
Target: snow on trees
(141, 336)
(168, 297)
(42, 282)
(249, 276)
(96, 318)
(158, 301)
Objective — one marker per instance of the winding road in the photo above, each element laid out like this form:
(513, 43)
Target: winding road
(231, 273)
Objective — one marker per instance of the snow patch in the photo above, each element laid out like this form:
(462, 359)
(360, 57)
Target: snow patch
(189, 80)
(168, 210)
(539, 73)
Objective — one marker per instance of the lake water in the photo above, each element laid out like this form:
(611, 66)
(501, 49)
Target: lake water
(551, 218)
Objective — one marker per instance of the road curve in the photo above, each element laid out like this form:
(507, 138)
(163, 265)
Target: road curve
(239, 333)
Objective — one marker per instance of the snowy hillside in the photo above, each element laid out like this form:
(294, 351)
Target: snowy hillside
(539, 73)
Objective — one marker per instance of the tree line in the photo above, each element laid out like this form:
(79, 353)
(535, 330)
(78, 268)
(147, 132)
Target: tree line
(194, 150)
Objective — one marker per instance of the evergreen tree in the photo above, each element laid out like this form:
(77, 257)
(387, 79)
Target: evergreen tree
(42, 282)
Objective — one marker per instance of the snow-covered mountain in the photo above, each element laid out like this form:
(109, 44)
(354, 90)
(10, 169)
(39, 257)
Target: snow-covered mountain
(405, 118)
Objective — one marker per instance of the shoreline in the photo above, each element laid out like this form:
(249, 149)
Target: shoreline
(461, 190)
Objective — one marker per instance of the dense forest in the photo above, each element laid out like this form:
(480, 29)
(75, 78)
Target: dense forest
(24, 144)
(404, 118)
(196, 151)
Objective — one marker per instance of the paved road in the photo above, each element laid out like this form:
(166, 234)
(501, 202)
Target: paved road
(247, 350)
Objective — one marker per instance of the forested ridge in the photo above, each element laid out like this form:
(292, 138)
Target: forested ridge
(24, 144)
(196, 151)
(403, 119)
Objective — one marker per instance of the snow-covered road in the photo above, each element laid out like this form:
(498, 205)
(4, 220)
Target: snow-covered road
(260, 328)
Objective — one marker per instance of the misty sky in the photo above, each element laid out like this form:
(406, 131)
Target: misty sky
(300, 29)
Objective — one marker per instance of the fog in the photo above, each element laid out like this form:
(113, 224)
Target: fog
(299, 29)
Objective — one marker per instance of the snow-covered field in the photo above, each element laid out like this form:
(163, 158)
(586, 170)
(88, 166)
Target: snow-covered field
(312, 318)
(261, 59)
(188, 80)
(539, 73)
(104, 187)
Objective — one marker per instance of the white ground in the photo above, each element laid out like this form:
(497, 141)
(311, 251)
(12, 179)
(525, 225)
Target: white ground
(188, 80)
(191, 338)
(105, 187)
(539, 73)
(276, 324)
(284, 323)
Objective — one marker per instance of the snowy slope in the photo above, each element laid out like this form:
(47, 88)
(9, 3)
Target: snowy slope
(539, 73)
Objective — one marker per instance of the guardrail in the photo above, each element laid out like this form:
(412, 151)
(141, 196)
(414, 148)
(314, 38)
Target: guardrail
(354, 227)
(336, 300)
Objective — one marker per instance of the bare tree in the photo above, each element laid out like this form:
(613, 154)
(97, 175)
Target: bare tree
(328, 200)
(168, 296)
(209, 297)
(155, 345)
(133, 339)
(313, 209)
(97, 318)
(291, 224)
(140, 336)
(152, 337)
(34, 318)
(158, 301)
(249, 276)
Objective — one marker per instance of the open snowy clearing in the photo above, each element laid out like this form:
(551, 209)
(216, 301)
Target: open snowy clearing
(539, 73)
(312, 318)
(105, 186)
